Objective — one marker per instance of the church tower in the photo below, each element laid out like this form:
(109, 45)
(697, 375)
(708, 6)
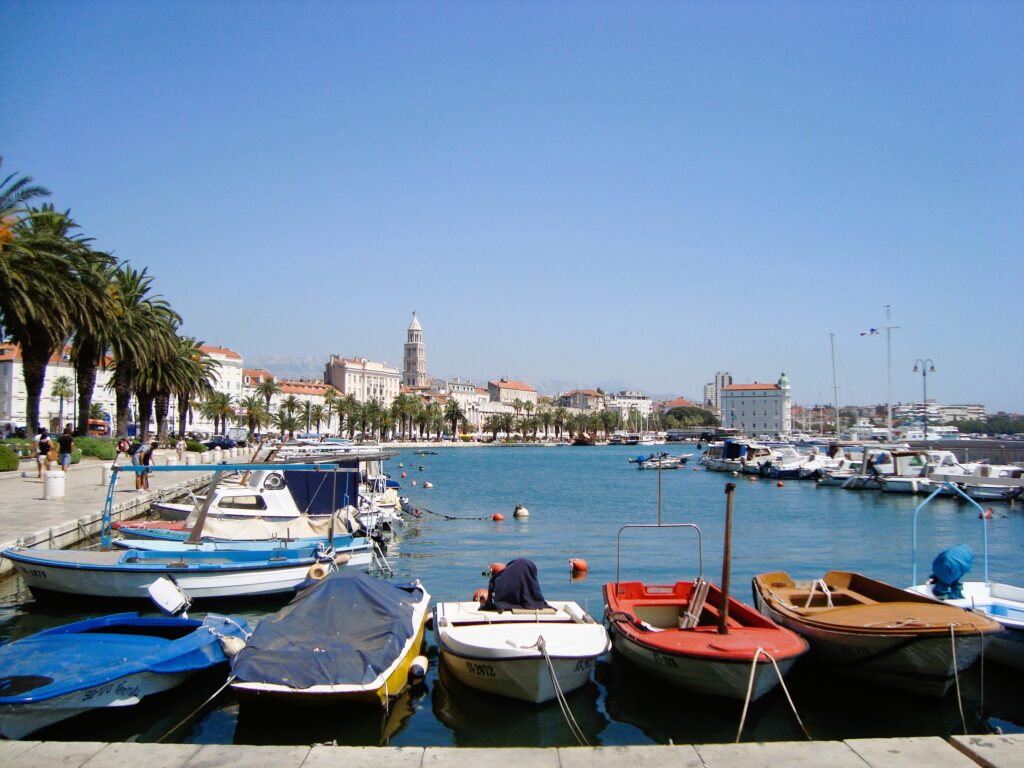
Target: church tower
(415, 369)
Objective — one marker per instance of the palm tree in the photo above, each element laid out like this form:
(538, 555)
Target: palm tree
(96, 412)
(507, 424)
(517, 406)
(559, 418)
(46, 285)
(387, 424)
(61, 388)
(267, 388)
(199, 369)
(546, 418)
(492, 424)
(284, 423)
(290, 405)
(352, 409)
(219, 409)
(253, 414)
(91, 339)
(316, 414)
(453, 413)
(331, 403)
(144, 327)
(609, 420)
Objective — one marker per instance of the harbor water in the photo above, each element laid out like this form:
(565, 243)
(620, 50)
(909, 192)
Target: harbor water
(578, 499)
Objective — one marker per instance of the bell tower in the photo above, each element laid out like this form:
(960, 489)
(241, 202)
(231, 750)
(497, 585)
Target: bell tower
(415, 368)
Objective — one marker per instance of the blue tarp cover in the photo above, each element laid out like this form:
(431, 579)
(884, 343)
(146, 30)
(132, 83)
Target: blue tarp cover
(949, 567)
(515, 587)
(313, 492)
(345, 629)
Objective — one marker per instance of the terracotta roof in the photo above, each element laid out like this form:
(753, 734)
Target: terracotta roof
(12, 353)
(302, 387)
(587, 392)
(257, 374)
(481, 390)
(680, 402)
(222, 351)
(506, 384)
(748, 387)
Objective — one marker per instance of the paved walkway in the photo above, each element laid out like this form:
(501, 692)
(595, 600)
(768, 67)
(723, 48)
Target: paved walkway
(27, 519)
(930, 752)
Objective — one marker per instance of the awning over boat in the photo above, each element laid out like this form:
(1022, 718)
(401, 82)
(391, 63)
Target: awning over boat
(345, 630)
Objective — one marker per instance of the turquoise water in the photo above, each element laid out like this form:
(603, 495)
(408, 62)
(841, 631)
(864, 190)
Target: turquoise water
(578, 499)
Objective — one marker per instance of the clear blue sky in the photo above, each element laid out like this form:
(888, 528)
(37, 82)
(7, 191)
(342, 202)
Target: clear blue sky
(637, 194)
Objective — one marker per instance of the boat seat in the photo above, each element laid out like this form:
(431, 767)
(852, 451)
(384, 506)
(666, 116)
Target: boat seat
(532, 611)
(836, 598)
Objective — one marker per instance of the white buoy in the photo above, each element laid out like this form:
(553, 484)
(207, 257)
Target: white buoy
(418, 668)
(521, 511)
(428, 485)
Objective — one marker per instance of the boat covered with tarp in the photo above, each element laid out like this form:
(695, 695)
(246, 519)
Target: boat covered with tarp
(345, 638)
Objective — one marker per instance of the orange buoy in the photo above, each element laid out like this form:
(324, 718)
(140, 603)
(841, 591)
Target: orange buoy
(496, 568)
(403, 474)
(751, 477)
(987, 514)
(497, 517)
(694, 469)
(480, 595)
(578, 565)
(778, 483)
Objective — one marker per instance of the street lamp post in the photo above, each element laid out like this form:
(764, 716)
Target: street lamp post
(926, 366)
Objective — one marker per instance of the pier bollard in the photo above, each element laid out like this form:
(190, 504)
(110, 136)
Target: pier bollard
(191, 459)
(172, 461)
(206, 457)
(105, 475)
(218, 455)
(53, 485)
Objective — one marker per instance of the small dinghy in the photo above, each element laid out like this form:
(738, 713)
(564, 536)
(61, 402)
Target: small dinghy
(346, 638)
(517, 644)
(110, 661)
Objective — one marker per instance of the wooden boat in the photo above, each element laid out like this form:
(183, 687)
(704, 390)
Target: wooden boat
(127, 574)
(347, 638)
(874, 631)
(112, 661)
(509, 649)
(672, 632)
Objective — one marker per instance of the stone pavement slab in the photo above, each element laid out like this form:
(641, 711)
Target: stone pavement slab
(134, 755)
(218, 755)
(780, 754)
(472, 757)
(363, 757)
(993, 751)
(910, 752)
(641, 756)
(53, 754)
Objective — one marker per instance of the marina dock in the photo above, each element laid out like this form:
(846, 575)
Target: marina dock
(1006, 751)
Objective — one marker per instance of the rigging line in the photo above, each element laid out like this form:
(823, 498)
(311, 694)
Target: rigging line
(956, 676)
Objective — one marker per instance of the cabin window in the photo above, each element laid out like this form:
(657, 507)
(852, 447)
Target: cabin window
(251, 503)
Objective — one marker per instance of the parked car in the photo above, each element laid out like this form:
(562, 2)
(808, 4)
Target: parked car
(220, 441)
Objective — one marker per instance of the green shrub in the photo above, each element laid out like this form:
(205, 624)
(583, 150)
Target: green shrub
(21, 447)
(195, 445)
(100, 448)
(8, 459)
(76, 455)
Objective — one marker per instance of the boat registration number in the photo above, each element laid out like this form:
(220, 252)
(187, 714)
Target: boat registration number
(584, 664)
(665, 661)
(480, 670)
(35, 572)
(122, 690)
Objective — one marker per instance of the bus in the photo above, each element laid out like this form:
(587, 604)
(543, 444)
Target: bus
(98, 428)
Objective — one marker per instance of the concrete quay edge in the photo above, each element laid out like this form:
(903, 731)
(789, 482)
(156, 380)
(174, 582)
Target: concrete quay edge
(990, 751)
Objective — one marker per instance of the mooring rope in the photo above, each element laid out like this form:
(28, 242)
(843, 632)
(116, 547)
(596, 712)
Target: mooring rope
(750, 690)
(956, 676)
(450, 517)
(198, 709)
(560, 696)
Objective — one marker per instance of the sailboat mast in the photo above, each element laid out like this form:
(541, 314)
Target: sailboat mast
(835, 387)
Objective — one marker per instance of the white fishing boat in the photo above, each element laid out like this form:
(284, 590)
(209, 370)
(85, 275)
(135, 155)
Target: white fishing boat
(517, 644)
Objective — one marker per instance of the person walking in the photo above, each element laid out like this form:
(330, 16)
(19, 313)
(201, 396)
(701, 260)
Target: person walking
(179, 448)
(148, 460)
(43, 446)
(65, 447)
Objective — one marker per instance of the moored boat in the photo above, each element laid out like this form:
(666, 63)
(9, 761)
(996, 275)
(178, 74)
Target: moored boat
(111, 661)
(347, 638)
(874, 631)
(517, 644)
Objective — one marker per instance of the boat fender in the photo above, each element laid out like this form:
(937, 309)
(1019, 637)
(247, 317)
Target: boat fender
(318, 571)
(342, 559)
(578, 565)
(521, 511)
(480, 595)
(428, 485)
(230, 645)
(497, 517)
(418, 668)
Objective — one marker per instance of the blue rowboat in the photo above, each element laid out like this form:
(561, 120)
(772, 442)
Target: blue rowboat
(128, 573)
(110, 661)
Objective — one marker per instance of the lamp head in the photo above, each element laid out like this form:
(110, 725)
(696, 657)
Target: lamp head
(915, 368)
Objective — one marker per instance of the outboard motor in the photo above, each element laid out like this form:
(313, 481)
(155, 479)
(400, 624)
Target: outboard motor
(948, 568)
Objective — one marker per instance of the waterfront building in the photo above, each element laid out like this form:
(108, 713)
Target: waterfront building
(713, 391)
(364, 379)
(679, 402)
(951, 413)
(415, 366)
(758, 408)
(710, 396)
(471, 399)
(626, 402)
(508, 391)
(13, 396)
(583, 400)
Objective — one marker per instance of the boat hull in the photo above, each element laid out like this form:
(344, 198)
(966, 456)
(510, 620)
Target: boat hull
(525, 678)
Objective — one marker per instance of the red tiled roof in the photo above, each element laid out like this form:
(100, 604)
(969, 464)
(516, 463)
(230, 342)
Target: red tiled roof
(680, 402)
(223, 351)
(748, 387)
(587, 392)
(12, 353)
(257, 374)
(302, 387)
(506, 384)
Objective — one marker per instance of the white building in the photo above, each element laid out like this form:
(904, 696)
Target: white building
(364, 379)
(583, 400)
(757, 408)
(13, 396)
(625, 402)
(415, 368)
(507, 391)
(471, 399)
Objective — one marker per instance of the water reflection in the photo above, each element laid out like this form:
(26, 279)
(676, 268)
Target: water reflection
(478, 719)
